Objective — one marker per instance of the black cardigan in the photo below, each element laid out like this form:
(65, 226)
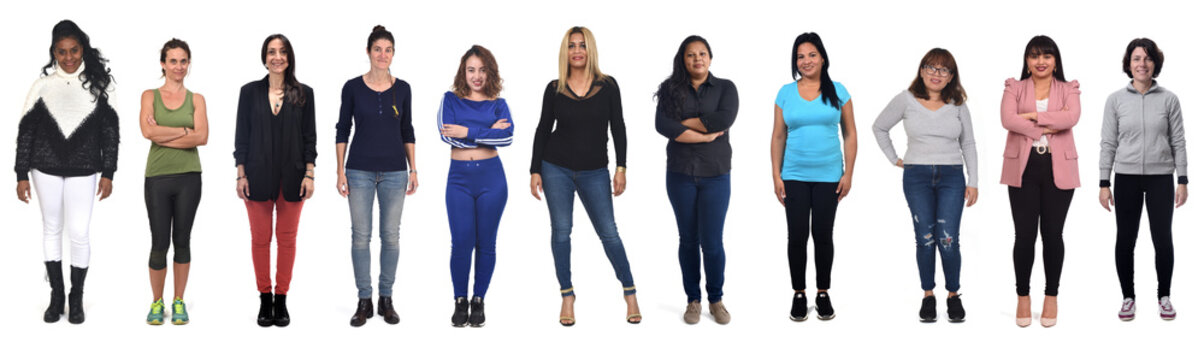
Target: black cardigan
(253, 146)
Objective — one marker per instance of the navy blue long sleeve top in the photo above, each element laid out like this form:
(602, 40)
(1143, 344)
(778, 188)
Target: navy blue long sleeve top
(383, 125)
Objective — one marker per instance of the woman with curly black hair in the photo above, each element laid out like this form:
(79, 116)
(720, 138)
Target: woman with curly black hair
(67, 135)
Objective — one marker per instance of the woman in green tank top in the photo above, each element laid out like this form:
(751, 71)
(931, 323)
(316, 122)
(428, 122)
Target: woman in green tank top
(174, 120)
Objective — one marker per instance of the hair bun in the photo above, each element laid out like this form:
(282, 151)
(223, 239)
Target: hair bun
(378, 28)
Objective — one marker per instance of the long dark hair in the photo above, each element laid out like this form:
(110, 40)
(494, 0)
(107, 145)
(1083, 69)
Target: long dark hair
(97, 75)
(1041, 45)
(953, 91)
(292, 87)
(675, 87)
(826, 88)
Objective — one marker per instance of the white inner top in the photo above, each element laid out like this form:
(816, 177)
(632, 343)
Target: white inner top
(1042, 106)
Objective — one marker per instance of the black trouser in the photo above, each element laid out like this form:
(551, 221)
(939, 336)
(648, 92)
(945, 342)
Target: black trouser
(1159, 197)
(1038, 204)
(171, 203)
(810, 207)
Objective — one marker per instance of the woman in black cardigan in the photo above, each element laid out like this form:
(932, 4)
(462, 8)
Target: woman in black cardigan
(275, 148)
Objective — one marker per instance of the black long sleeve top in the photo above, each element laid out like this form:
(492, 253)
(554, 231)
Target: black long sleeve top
(274, 148)
(714, 103)
(579, 139)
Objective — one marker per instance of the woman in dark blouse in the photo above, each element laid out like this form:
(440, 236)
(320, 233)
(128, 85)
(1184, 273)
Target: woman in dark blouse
(581, 104)
(274, 149)
(694, 111)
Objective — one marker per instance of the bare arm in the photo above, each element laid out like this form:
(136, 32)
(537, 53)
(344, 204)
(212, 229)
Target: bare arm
(200, 127)
(849, 130)
(777, 148)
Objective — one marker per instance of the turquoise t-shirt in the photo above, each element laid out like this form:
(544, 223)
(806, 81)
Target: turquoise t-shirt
(813, 150)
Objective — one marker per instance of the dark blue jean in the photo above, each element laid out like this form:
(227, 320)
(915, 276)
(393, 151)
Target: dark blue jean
(593, 186)
(935, 194)
(476, 197)
(700, 205)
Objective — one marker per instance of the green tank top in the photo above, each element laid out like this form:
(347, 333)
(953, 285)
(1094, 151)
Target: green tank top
(164, 160)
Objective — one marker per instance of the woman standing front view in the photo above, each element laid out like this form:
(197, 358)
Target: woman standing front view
(174, 120)
(379, 106)
(474, 121)
(1143, 141)
(940, 139)
(581, 104)
(67, 135)
(809, 175)
(694, 110)
(1040, 168)
(274, 148)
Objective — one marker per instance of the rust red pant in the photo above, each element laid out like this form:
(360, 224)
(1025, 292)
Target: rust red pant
(288, 214)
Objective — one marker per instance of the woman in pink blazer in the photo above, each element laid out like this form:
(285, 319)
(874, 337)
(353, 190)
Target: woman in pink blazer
(1040, 167)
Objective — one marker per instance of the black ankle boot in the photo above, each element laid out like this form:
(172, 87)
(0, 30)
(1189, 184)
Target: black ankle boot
(385, 309)
(363, 312)
(75, 300)
(58, 296)
(265, 309)
(476, 312)
(280, 311)
(460, 315)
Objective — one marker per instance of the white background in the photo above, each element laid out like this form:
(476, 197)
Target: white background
(874, 48)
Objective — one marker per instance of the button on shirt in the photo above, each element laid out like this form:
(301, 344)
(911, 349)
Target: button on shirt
(715, 103)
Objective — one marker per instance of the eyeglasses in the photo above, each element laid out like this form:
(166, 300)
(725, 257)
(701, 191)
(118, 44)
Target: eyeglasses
(935, 71)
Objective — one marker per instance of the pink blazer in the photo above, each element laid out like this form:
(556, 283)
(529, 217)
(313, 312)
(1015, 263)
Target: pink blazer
(1019, 97)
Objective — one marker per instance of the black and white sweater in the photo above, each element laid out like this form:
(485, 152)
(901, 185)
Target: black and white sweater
(65, 131)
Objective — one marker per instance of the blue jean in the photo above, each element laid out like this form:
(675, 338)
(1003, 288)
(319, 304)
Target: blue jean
(935, 194)
(593, 186)
(389, 188)
(476, 197)
(700, 206)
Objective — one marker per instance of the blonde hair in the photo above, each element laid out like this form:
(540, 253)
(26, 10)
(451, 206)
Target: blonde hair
(591, 59)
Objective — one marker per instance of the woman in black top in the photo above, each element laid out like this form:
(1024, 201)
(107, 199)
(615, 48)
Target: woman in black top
(275, 148)
(694, 111)
(581, 104)
(67, 135)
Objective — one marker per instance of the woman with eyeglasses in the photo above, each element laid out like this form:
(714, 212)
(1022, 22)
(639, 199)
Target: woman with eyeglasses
(940, 141)
(1040, 168)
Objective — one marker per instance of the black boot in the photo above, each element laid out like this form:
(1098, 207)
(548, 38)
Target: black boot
(385, 309)
(363, 311)
(280, 311)
(58, 297)
(476, 312)
(460, 315)
(75, 300)
(265, 309)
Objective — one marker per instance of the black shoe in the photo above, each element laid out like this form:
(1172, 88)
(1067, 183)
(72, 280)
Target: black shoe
(799, 309)
(956, 312)
(823, 306)
(460, 316)
(58, 296)
(385, 308)
(363, 312)
(280, 311)
(265, 309)
(75, 300)
(928, 309)
(476, 312)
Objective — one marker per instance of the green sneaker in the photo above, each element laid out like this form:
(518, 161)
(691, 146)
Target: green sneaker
(155, 317)
(179, 316)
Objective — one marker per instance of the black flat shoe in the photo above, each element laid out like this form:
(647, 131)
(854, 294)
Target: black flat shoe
(823, 306)
(956, 312)
(798, 307)
(460, 315)
(476, 312)
(928, 309)
(363, 312)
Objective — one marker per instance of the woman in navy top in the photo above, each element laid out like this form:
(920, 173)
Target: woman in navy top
(377, 167)
(808, 176)
(474, 121)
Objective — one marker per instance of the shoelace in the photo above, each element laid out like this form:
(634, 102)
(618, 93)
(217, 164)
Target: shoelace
(178, 307)
(157, 307)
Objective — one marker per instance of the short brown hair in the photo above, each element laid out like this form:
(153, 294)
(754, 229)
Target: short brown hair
(173, 44)
(953, 91)
(493, 83)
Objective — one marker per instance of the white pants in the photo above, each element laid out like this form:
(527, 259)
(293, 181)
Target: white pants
(66, 213)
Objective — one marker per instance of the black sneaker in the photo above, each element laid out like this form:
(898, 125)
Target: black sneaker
(460, 315)
(928, 309)
(956, 312)
(799, 309)
(823, 306)
(476, 312)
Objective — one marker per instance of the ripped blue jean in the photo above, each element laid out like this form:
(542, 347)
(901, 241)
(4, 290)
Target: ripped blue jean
(936, 194)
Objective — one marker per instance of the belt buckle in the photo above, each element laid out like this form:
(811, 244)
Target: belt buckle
(1042, 149)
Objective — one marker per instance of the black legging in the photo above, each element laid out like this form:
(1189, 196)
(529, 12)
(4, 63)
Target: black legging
(171, 203)
(1158, 192)
(1038, 203)
(810, 206)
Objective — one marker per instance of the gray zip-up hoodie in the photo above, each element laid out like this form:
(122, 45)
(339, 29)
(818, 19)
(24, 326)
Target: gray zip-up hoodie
(1142, 134)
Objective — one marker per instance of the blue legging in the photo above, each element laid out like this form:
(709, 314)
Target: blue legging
(476, 197)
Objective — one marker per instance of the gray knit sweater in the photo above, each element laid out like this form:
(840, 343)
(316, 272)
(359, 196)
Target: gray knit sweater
(941, 137)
